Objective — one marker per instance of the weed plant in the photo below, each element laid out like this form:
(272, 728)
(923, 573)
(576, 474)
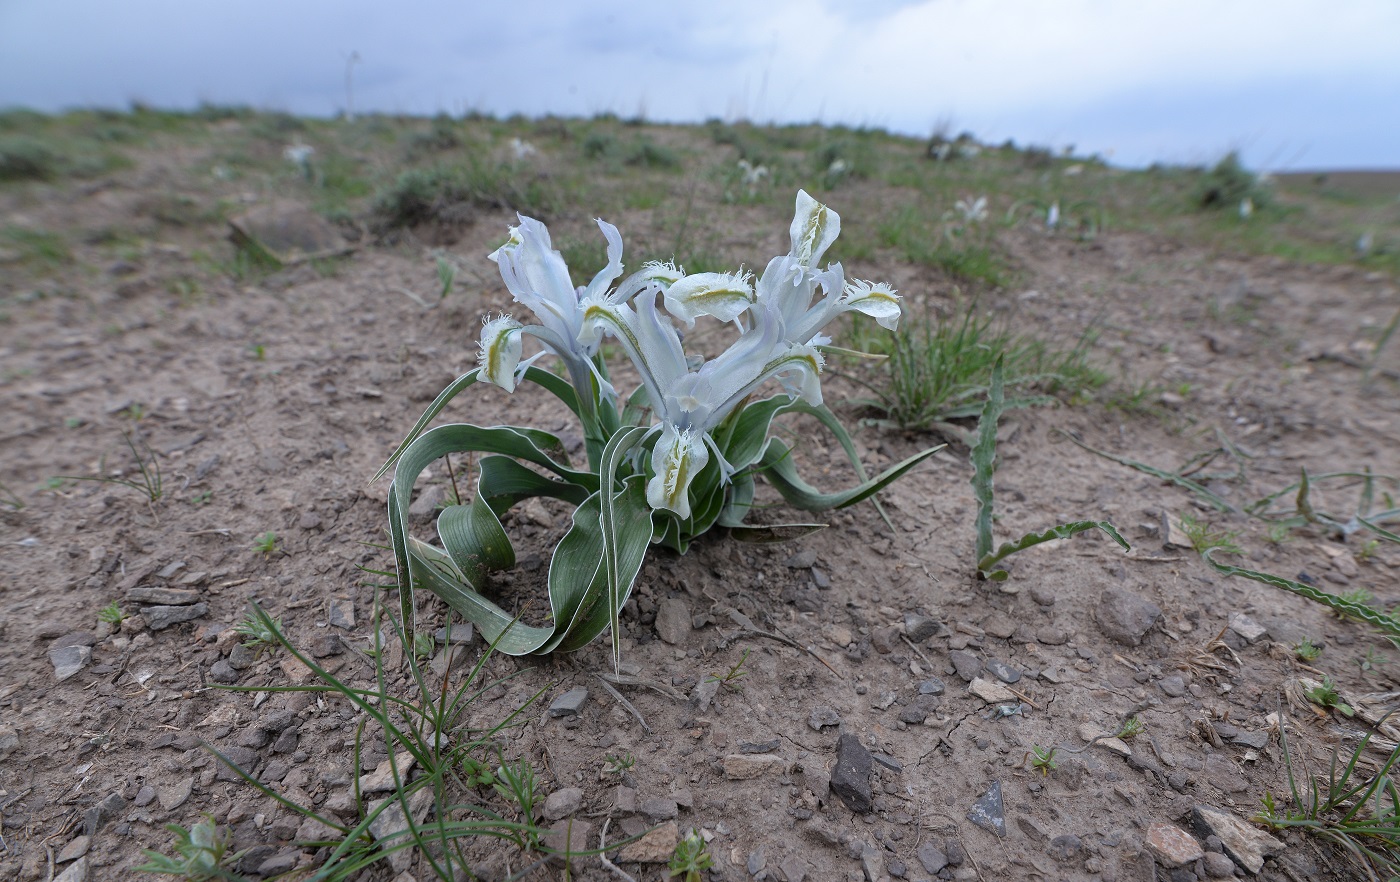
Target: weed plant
(201, 854)
(148, 481)
(940, 369)
(1353, 809)
(984, 466)
(437, 810)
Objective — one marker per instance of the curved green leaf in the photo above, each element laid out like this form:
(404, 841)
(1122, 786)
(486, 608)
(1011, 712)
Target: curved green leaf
(504, 483)
(558, 386)
(1063, 531)
(738, 500)
(474, 537)
(782, 474)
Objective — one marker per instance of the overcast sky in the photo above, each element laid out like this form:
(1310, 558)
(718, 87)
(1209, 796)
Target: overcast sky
(1290, 83)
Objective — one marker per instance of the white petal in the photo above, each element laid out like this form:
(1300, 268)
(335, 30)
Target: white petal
(875, 299)
(722, 295)
(676, 459)
(500, 352)
(814, 228)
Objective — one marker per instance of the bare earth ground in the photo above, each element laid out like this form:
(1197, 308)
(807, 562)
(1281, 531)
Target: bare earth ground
(271, 402)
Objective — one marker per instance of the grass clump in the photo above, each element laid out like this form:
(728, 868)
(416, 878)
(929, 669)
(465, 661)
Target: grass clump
(1228, 184)
(940, 369)
(448, 194)
(28, 159)
(201, 854)
(1351, 808)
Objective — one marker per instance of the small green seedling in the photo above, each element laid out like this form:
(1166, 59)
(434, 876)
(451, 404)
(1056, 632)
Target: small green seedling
(447, 276)
(616, 765)
(1203, 538)
(1325, 695)
(731, 677)
(258, 351)
(202, 498)
(1042, 759)
(1368, 550)
(260, 635)
(112, 614)
(1132, 727)
(1371, 661)
(203, 853)
(266, 543)
(689, 858)
(1307, 651)
(477, 773)
(422, 645)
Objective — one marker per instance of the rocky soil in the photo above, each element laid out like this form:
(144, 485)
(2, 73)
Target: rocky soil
(890, 709)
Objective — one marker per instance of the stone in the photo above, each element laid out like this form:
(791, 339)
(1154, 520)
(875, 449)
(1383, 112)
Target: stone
(757, 862)
(919, 628)
(158, 618)
(145, 796)
(1051, 635)
(1172, 846)
(991, 691)
(425, 507)
(1001, 670)
(802, 560)
(1125, 617)
(381, 779)
(660, 808)
(9, 741)
(96, 818)
(1224, 775)
(1065, 847)
(172, 796)
(69, 660)
(931, 686)
(244, 758)
(570, 838)
(340, 613)
(1089, 731)
(295, 669)
(999, 626)
(1257, 740)
(673, 624)
(562, 803)
(1250, 630)
(872, 864)
(655, 847)
(1042, 595)
(286, 231)
(768, 746)
(823, 716)
(74, 850)
(78, 872)
(743, 766)
(624, 799)
(223, 672)
(703, 693)
(1173, 685)
(328, 645)
(966, 664)
(850, 777)
(987, 812)
(449, 658)
(570, 703)
(1245, 844)
(1218, 866)
(155, 594)
(391, 823)
(932, 858)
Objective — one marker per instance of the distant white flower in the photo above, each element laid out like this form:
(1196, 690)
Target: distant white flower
(838, 167)
(522, 149)
(941, 151)
(1246, 207)
(1052, 217)
(972, 212)
(969, 149)
(753, 175)
(1073, 170)
(299, 154)
(1363, 244)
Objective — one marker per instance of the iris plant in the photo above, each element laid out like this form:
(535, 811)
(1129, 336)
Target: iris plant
(675, 457)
